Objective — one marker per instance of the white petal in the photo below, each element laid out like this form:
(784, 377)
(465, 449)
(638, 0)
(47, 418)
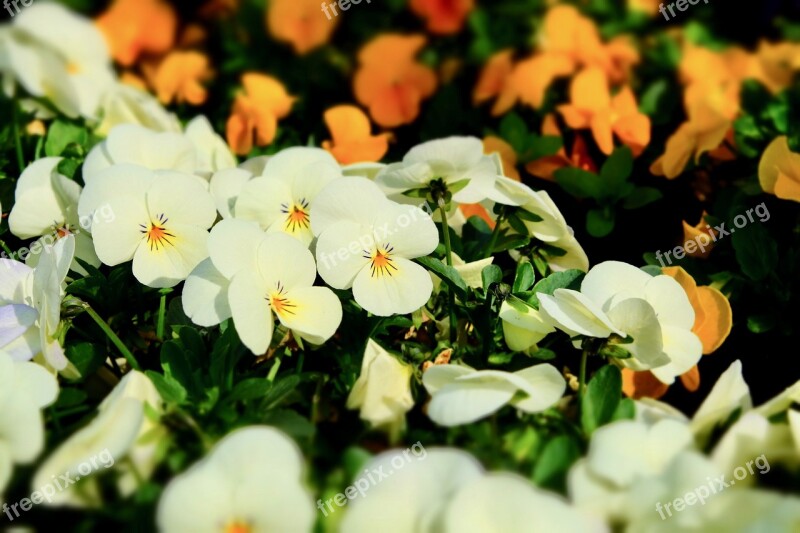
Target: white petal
(233, 245)
(684, 350)
(460, 152)
(315, 315)
(670, 302)
(463, 402)
(205, 295)
(403, 290)
(226, 186)
(576, 314)
(169, 193)
(341, 251)
(283, 262)
(546, 387)
(15, 320)
(613, 277)
(637, 318)
(729, 393)
(438, 376)
(355, 199)
(129, 143)
(409, 230)
(251, 312)
(261, 200)
(117, 240)
(523, 326)
(166, 265)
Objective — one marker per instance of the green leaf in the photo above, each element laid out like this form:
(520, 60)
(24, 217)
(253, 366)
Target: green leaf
(568, 279)
(491, 274)
(756, 250)
(514, 130)
(618, 166)
(524, 278)
(417, 193)
(626, 410)
(558, 455)
(601, 398)
(448, 274)
(457, 185)
(527, 215)
(170, 390)
(86, 357)
(250, 389)
(600, 222)
(580, 183)
(61, 134)
(641, 196)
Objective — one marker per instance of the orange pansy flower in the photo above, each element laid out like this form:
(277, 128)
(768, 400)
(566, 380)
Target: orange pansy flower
(579, 155)
(256, 112)
(495, 82)
(390, 82)
(700, 233)
(593, 107)
(136, 27)
(508, 156)
(179, 76)
(532, 76)
(712, 325)
(443, 17)
(352, 139)
(779, 170)
(301, 23)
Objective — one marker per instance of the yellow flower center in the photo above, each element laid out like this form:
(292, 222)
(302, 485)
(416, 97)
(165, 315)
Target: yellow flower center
(280, 303)
(73, 68)
(381, 262)
(237, 527)
(156, 233)
(297, 216)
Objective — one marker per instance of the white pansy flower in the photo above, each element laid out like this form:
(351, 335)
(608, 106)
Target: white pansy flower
(125, 104)
(46, 206)
(366, 242)
(47, 294)
(383, 389)
(30, 304)
(509, 503)
(19, 334)
(523, 326)
(121, 430)
(226, 185)
(454, 160)
(255, 277)
(620, 299)
(446, 490)
(25, 389)
(280, 199)
(728, 394)
(161, 221)
(137, 145)
(56, 54)
(251, 481)
(413, 497)
(620, 454)
(461, 395)
(211, 151)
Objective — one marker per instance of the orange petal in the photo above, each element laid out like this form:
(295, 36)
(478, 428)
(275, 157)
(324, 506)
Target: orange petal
(352, 139)
(532, 77)
(638, 385)
(178, 77)
(135, 27)
(602, 132)
(691, 379)
(507, 154)
(701, 234)
(689, 285)
(679, 150)
(787, 187)
(301, 23)
(589, 90)
(778, 159)
(718, 319)
(634, 132)
(477, 210)
(494, 81)
(443, 16)
(391, 49)
(268, 93)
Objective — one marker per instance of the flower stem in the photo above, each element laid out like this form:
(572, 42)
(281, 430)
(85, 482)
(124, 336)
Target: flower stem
(6, 249)
(493, 239)
(446, 233)
(451, 298)
(17, 136)
(274, 370)
(115, 340)
(582, 375)
(162, 312)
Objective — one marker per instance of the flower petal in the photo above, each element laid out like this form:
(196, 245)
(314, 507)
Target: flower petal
(316, 314)
(251, 312)
(402, 291)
